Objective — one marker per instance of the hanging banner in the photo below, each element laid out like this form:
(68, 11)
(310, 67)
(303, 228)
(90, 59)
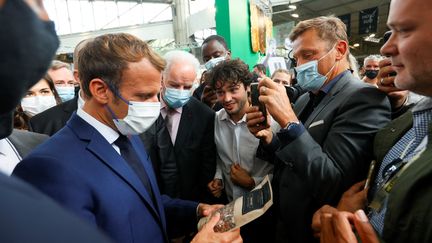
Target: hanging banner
(368, 21)
(261, 24)
(346, 19)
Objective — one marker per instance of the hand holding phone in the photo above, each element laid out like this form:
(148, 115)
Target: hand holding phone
(208, 96)
(255, 101)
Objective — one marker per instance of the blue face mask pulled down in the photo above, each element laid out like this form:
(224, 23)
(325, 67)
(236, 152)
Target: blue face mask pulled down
(308, 76)
(176, 98)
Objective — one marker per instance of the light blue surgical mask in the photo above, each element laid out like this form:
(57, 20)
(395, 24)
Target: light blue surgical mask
(213, 62)
(176, 98)
(308, 76)
(66, 93)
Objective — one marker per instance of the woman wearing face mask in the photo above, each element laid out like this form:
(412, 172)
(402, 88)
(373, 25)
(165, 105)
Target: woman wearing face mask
(39, 97)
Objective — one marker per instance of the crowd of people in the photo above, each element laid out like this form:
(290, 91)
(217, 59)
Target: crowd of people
(127, 145)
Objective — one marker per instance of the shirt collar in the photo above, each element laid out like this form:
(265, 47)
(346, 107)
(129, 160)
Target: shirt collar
(327, 87)
(3, 144)
(423, 104)
(224, 116)
(107, 132)
(164, 107)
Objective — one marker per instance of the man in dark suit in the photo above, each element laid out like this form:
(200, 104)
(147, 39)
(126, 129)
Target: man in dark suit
(96, 166)
(325, 144)
(15, 147)
(55, 118)
(182, 139)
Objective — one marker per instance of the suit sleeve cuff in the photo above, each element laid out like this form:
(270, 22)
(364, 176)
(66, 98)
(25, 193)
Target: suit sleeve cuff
(286, 136)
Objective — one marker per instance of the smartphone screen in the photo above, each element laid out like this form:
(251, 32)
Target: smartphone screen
(255, 101)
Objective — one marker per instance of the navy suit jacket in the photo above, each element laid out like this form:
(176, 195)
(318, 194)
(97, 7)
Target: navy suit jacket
(82, 171)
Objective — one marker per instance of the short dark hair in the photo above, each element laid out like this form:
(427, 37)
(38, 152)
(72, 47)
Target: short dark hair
(217, 38)
(108, 56)
(260, 67)
(233, 71)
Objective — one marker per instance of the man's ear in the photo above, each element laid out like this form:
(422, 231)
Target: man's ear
(100, 91)
(342, 49)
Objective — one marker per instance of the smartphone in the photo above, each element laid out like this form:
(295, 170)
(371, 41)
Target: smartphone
(255, 101)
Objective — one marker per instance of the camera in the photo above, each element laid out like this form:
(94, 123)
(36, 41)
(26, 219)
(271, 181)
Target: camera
(293, 92)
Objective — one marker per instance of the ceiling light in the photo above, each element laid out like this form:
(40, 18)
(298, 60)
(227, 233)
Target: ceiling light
(372, 35)
(292, 6)
(356, 45)
(294, 15)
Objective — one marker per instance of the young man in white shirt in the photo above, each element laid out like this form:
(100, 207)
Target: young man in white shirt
(238, 169)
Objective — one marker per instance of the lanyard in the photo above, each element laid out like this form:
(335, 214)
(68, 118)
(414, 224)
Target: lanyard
(394, 171)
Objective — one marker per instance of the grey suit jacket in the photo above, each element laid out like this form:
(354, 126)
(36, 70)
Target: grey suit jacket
(25, 141)
(332, 154)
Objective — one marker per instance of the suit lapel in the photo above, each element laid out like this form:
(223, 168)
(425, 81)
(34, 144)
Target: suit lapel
(390, 134)
(326, 100)
(185, 125)
(318, 109)
(100, 147)
(301, 104)
(71, 105)
(138, 146)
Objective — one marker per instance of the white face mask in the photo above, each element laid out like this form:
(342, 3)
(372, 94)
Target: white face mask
(140, 116)
(36, 104)
(213, 62)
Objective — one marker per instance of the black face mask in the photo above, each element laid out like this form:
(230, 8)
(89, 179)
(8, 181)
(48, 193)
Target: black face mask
(27, 47)
(371, 74)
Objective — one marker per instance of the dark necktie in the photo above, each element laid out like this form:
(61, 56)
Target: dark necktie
(128, 154)
(314, 100)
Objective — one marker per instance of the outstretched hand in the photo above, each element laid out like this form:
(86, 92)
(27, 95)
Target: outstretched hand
(207, 233)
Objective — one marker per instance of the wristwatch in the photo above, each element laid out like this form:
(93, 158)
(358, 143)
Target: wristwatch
(291, 125)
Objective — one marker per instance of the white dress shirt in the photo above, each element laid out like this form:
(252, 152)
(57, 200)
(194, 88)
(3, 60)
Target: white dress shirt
(107, 132)
(235, 144)
(9, 156)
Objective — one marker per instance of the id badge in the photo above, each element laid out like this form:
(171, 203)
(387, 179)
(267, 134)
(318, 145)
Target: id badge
(379, 200)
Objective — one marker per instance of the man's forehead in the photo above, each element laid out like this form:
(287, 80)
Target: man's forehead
(309, 41)
(227, 84)
(403, 12)
(212, 46)
(372, 62)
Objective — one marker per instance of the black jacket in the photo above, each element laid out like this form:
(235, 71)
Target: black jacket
(53, 119)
